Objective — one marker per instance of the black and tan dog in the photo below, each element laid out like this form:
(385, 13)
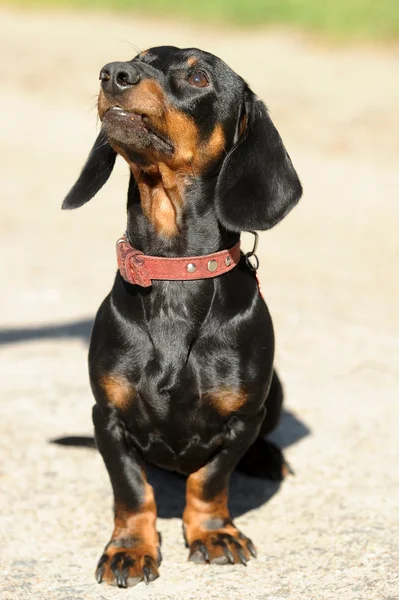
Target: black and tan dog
(182, 371)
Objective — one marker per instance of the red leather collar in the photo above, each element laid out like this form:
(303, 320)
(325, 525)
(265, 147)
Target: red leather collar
(139, 269)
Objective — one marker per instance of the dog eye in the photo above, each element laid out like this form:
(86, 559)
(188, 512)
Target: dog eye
(198, 79)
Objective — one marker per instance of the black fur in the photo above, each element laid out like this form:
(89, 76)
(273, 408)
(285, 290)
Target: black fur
(181, 341)
(257, 185)
(95, 173)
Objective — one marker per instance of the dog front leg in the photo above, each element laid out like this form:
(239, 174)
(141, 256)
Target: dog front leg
(208, 527)
(133, 554)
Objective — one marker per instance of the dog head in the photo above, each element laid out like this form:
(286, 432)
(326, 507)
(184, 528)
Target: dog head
(180, 116)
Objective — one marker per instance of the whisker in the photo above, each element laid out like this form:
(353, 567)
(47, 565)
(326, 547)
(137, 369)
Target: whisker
(135, 48)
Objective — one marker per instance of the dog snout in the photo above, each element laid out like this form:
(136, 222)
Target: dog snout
(117, 77)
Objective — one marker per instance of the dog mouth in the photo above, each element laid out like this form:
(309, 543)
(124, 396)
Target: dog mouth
(136, 129)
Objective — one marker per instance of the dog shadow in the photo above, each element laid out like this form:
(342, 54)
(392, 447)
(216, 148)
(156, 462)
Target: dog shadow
(75, 329)
(246, 492)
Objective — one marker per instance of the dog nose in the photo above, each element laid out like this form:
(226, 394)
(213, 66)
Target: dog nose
(117, 77)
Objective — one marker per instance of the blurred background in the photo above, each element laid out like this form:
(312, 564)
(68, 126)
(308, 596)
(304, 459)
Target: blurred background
(329, 73)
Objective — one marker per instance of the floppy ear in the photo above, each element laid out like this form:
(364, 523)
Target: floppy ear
(95, 173)
(257, 185)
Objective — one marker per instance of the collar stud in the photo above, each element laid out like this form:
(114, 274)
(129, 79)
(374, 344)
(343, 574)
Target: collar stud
(191, 268)
(212, 266)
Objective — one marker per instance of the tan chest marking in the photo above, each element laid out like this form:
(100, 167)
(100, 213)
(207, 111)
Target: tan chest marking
(162, 197)
(118, 390)
(226, 400)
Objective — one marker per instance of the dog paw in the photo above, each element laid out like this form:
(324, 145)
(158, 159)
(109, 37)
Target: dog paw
(127, 566)
(224, 546)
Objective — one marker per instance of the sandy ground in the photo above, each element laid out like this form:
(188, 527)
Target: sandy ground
(329, 274)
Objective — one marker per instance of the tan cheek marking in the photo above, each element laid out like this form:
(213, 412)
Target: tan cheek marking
(146, 96)
(214, 147)
(190, 155)
(183, 133)
(118, 390)
(226, 401)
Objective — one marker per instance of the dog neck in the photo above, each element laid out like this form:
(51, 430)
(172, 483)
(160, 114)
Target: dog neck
(173, 214)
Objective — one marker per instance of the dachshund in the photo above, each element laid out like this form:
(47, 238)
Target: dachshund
(182, 349)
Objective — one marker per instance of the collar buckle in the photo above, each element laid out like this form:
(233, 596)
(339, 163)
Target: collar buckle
(250, 257)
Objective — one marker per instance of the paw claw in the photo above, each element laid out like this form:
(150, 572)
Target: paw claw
(251, 548)
(128, 566)
(99, 574)
(120, 580)
(204, 551)
(224, 546)
(241, 556)
(127, 563)
(149, 571)
(227, 552)
(198, 553)
(100, 568)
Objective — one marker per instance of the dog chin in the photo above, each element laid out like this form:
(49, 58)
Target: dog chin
(133, 131)
(127, 129)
